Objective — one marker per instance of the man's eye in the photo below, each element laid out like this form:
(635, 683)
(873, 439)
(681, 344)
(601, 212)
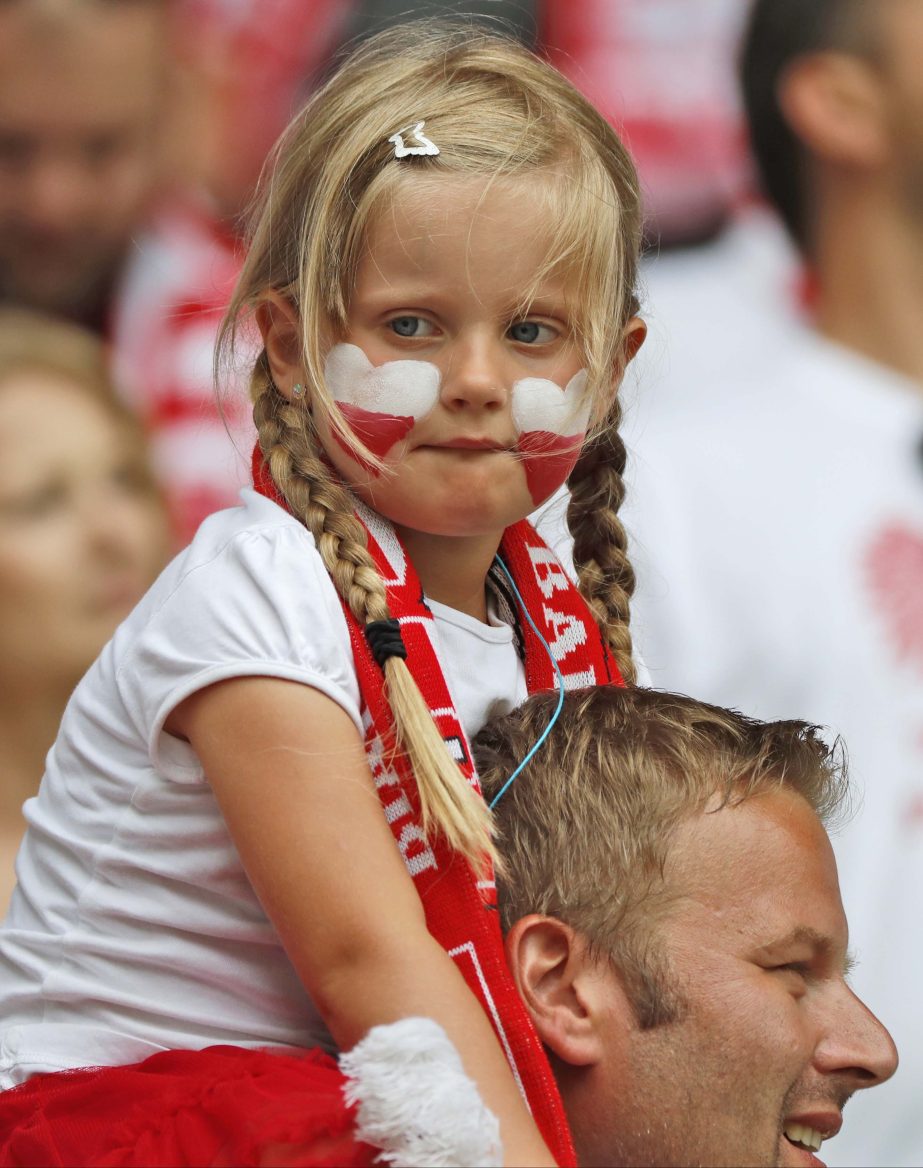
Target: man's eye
(411, 326)
(530, 332)
(797, 968)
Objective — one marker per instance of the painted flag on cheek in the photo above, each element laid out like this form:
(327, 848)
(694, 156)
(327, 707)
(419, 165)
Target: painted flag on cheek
(552, 427)
(381, 404)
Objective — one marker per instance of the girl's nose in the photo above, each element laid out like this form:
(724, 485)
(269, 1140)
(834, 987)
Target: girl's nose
(473, 377)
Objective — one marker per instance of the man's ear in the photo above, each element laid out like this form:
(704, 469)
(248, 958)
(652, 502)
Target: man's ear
(280, 327)
(836, 104)
(568, 993)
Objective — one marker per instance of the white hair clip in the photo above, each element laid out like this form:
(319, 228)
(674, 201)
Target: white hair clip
(421, 144)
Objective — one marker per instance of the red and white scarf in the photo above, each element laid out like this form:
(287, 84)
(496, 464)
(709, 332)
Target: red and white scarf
(461, 909)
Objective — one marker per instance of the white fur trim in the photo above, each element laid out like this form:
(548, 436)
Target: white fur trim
(415, 1102)
(540, 404)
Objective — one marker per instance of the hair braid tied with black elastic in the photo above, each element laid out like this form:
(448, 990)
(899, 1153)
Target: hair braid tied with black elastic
(447, 802)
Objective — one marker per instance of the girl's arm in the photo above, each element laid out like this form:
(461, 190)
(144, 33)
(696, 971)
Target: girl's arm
(289, 772)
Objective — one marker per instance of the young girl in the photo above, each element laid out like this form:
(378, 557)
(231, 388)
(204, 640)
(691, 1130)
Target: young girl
(441, 271)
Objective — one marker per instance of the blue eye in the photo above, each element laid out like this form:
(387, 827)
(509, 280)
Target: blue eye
(530, 332)
(408, 326)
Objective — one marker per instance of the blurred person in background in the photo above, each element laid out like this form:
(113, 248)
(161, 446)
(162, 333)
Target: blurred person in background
(243, 68)
(661, 72)
(83, 532)
(83, 89)
(90, 225)
(130, 136)
(776, 502)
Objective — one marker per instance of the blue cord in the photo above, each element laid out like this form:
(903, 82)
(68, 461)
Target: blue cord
(554, 717)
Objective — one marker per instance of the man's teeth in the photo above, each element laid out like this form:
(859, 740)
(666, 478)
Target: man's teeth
(806, 1137)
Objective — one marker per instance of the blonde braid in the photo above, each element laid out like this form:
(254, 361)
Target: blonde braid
(448, 804)
(605, 576)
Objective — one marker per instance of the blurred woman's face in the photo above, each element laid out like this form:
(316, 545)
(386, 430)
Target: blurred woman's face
(81, 534)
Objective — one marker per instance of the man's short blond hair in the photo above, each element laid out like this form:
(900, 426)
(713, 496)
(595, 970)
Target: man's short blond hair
(586, 829)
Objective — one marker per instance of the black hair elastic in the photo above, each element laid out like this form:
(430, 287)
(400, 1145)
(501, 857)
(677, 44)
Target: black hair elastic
(385, 640)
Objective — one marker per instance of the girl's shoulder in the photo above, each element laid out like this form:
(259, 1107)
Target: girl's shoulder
(256, 544)
(250, 587)
(249, 596)
(256, 518)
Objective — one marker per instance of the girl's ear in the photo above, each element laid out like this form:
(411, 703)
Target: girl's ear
(280, 327)
(634, 335)
(557, 981)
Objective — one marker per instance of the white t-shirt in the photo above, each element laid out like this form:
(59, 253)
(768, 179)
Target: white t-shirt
(134, 927)
(777, 532)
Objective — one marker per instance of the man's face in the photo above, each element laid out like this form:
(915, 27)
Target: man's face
(772, 1041)
(80, 106)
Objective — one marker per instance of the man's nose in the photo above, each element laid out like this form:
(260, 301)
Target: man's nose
(856, 1045)
(473, 377)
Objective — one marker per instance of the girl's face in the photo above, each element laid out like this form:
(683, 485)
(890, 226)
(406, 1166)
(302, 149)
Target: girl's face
(80, 537)
(478, 411)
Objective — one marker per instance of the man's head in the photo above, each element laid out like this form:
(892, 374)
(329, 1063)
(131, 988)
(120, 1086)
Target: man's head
(83, 86)
(833, 92)
(674, 926)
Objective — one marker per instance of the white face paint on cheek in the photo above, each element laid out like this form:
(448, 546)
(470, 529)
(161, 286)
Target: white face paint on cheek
(539, 404)
(552, 425)
(381, 403)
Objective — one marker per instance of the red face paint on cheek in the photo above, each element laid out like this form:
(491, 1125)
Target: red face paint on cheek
(547, 460)
(379, 432)
(552, 429)
(359, 389)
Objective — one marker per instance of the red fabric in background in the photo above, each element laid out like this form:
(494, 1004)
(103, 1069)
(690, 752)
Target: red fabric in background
(663, 73)
(223, 1106)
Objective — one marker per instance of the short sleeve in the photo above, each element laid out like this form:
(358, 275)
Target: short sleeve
(261, 605)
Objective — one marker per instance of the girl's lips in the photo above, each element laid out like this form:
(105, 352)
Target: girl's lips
(469, 444)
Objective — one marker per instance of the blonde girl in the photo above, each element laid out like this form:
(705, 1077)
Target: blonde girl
(441, 273)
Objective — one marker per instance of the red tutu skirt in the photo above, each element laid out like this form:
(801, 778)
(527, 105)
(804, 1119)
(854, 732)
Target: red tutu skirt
(223, 1106)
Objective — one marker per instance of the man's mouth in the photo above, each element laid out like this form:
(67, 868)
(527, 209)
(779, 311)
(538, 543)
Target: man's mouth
(802, 1136)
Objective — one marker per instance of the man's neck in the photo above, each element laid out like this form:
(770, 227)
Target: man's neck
(870, 286)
